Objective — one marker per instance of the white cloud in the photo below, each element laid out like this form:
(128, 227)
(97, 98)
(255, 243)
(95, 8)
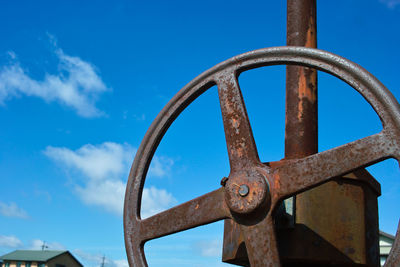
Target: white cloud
(37, 244)
(155, 200)
(76, 85)
(10, 241)
(390, 3)
(12, 210)
(160, 166)
(211, 248)
(105, 168)
(107, 193)
(96, 162)
(110, 195)
(96, 259)
(121, 263)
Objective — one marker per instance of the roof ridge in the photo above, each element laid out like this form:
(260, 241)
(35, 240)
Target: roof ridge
(39, 255)
(39, 250)
(386, 234)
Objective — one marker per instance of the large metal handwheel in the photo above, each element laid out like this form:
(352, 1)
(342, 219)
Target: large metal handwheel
(254, 189)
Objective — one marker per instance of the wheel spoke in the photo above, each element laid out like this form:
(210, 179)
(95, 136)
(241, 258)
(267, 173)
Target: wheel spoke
(238, 134)
(205, 209)
(294, 176)
(261, 243)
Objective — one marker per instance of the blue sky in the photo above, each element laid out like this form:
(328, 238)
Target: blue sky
(81, 81)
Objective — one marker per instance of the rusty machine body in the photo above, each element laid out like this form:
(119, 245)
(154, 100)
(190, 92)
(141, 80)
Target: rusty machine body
(259, 230)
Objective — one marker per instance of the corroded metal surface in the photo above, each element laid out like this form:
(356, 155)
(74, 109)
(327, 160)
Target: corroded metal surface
(234, 248)
(206, 209)
(301, 133)
(327, 244)
(280, 180)
(242, 149)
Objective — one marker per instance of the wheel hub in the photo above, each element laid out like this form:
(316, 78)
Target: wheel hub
(247, 191)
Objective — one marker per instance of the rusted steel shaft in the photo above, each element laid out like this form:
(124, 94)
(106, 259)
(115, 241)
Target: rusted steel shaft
(301, 135)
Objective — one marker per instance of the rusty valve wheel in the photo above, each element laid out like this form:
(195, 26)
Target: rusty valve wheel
(253, 189)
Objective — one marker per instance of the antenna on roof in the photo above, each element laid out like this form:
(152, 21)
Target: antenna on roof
(44, 245)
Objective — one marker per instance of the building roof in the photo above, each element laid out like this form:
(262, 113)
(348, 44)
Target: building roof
(387, 235)
(32, 255)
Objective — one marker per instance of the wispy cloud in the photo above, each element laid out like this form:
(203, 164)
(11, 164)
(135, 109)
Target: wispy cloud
(105, 168)
(43, 194)
(160, 166)
(10, 241)
(97, 162)
(91, 259)
(209, 248)
(37, 244)
(155, 200)
(12, 210)
(108, 194)
(77, 84)
(390, 3)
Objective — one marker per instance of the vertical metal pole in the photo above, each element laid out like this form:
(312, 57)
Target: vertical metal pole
(301, 129)
(301, 135)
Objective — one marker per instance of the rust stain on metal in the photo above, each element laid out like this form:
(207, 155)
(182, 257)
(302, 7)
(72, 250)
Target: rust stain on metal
(307, 93)
(301, 136)
(240, 141)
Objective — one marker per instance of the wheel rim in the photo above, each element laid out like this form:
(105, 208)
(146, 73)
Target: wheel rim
(381, 100)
